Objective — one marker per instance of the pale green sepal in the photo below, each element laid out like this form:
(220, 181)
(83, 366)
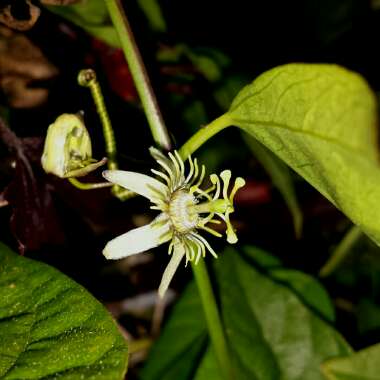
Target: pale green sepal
(175, 260)
(138, 240)
(67, 150)
(138, 183)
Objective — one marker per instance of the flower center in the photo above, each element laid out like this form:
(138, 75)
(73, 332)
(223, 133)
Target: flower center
(182, 214)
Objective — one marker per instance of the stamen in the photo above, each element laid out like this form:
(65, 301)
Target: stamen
(239, 183)
(226, 176)
(230, 232)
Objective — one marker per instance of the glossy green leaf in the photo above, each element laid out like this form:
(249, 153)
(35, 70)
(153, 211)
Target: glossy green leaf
(51, 327)
(307, 288)
(322, 121)
(310, 291)
(271, 332)
(281, 178)
(291, 340)
(92, 16)
(363, 365)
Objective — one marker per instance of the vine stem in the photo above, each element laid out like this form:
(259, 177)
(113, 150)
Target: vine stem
(341, 251)
(87, 78)
(214, 323)
(139, 74)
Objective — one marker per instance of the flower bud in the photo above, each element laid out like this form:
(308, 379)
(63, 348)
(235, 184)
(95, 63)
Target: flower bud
(67, 150)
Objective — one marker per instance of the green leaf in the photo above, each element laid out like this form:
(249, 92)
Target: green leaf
(291, 341)
(363, 365)
(51, 327)
(281, 178)
(310, 291)
(92, 16)
(306, 287)
(271, 333)
(321, 120)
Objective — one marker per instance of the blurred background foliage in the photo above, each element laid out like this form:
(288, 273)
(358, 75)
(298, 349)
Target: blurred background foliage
(199, 55)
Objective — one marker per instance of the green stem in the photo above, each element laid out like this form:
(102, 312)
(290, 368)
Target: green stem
(199, 138)
(341, 251)
(88, 186)
(138, 71)
(213, 320)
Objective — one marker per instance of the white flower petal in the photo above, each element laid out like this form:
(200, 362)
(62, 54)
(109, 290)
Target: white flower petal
(139, 183)
(177, 255)
(138, 240)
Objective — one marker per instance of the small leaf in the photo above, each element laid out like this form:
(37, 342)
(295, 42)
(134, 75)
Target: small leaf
(51, 327)
(362, 365)
(281, 178)
(153, 13)
(92, 16)
(321, 120)
(307, 288)
(310, 291)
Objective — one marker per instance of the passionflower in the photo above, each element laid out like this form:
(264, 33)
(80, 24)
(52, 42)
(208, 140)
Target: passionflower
(185, 209)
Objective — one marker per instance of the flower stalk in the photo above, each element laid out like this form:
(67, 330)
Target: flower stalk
(213, 320)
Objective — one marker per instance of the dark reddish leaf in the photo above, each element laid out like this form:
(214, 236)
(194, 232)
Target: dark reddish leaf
(116, 70)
